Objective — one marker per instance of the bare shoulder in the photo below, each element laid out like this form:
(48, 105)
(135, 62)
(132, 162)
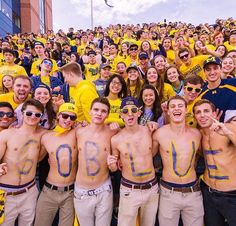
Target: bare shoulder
(117, 137)
(162, 131)
(196, 132)
(7, 133)
(231, 126)
(81, 130)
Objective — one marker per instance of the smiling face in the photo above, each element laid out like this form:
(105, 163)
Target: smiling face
(228, 65)
(204, 114)
(7, 81)
(152, 75)
(159, 63)
(148, 98)
(32, 115)
(6, 117)
(21, 89)
(115, 86)
(172, 75)
(42, 95)
(66, 119)
(177, 110)
(133, 74)
(213, 72)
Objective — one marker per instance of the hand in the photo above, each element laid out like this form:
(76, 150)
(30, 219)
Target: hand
(114, 126)
(112, 162)
(3, 169)
(164, 106)
(58, 100)
(220, 128)
(218, 114)
(152, 126)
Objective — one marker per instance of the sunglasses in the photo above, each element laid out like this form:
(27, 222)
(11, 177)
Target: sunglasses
(47, 62)
(190, 89)
(66, 116)
(30, 113)
(184, 56)
(133, 49)
(132, 110)
(8, 114)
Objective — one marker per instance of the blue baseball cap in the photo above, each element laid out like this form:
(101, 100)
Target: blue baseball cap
(212, 60)
(129, 101)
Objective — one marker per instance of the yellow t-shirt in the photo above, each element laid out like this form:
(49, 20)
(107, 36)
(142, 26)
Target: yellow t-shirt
(35, 67)
(190, 119)
(114, 115)
(168, 92)
(229, 47)
(11, 70)
(8, 97)
(2, 61)
(170, 56)
(82, 95)
(92, 72)
(196, 66)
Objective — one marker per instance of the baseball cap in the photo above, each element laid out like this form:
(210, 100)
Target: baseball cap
(42, 85)
(232, 32)
(68, 107)
(105, 65)
(132, 66)
(91, 52)
(143, 55)
(229, 114)
(129, 101)
(211, 60)
(38, 43)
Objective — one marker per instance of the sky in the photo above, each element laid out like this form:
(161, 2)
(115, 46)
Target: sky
(77, 13)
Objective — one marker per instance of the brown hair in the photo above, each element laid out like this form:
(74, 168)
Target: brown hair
(204, 101)
(176, 98)
(72, 67)
(102, 100)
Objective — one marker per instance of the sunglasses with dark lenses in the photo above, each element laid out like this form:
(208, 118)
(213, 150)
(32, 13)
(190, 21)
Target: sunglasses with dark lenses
(126, 110)
(48, 62)
(133, 49)
(66, 116)
(30, 113)
(8, 114)
(190, 89)
(184, 56)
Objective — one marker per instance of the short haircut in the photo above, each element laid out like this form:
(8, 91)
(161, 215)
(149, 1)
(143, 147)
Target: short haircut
(9, 51)
(6, 105)
(33, 102)
(194, 80)
(72, 67)
(176, 98)
(102, 100)
(204, 101)
(23, 77)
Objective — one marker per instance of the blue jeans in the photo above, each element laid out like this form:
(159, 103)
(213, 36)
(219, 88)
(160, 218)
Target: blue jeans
(219, 207)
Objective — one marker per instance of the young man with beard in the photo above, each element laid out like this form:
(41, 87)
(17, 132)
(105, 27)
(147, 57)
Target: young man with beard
(21, 91)
(20, 150)
(139, 188)
(219, 180)
(180, 191)
(58, 191)
(93, 189)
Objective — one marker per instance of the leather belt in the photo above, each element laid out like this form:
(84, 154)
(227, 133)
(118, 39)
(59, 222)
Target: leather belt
(193, 188)
(56, 188)
(141, 186)
(21, 191)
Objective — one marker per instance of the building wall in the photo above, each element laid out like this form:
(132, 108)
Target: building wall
(30, 15)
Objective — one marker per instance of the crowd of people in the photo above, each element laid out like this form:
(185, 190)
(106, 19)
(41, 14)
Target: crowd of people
(121, 125)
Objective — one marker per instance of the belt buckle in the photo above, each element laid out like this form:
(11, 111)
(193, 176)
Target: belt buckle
(91, 192)
(61, 189)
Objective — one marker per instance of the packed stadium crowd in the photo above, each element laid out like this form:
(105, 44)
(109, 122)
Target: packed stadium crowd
(125, 124)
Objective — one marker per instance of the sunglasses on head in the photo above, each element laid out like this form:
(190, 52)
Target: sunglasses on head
(133, 49)
(184, 56)
(66, 116)
(132, 110)
(30, 113)
(8, 114)
(190, 89)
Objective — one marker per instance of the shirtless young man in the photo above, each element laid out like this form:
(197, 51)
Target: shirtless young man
(58, 191)
(180, 191)
(219, 180)
(19, 149)
(93, 190)
(139, 188)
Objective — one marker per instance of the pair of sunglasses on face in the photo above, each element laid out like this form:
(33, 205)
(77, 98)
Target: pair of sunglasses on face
(8, 114)
(132, 110)
(184, 56)
(66, 116)
(190, 89)
(30, 113)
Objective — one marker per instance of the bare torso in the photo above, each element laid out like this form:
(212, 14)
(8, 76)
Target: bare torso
(178, 153)
(93, 149)
(62, 157)
(135, 153)
(21, 155)
(220, 158)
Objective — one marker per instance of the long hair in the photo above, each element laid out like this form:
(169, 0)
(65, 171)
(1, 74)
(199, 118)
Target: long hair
(160, 83)
(137, 89)
(123, 92)
(156, 109)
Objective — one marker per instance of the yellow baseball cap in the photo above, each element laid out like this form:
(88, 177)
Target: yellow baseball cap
(68, 107)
